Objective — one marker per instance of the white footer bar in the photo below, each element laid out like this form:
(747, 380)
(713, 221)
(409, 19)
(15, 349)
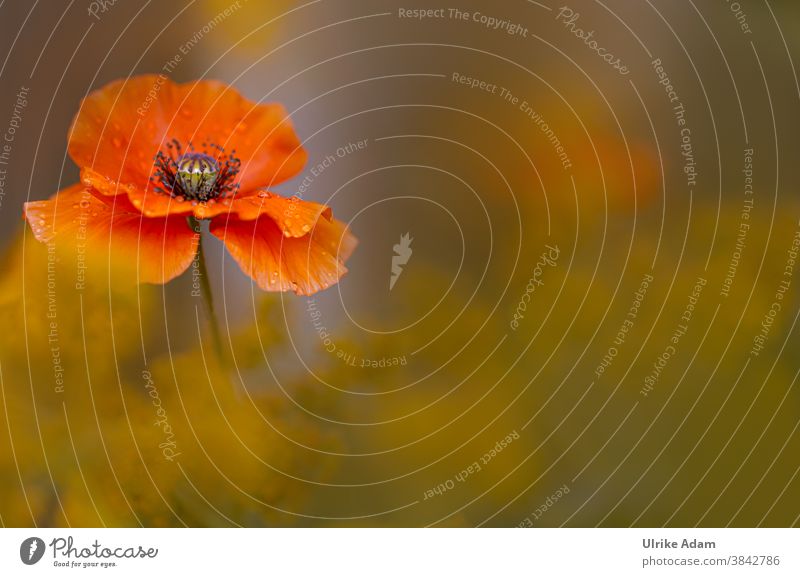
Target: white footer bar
(406, 552)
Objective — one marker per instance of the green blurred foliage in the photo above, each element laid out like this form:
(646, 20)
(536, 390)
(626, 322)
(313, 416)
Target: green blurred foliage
(98, 436)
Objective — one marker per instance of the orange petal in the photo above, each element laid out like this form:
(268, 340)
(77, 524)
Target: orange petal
(162, 247)
(120, 128)
(150, 203)
(292, 214)
(261, 134)
(294, 217)
(277, 262)
(146, 201)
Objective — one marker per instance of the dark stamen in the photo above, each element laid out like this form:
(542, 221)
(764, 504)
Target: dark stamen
(196, 176)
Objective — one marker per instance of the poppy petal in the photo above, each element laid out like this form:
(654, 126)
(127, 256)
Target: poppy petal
(146, 201)
(293, 216)
(165, 246)
(277, 262)
(261, 134)
(122, 126)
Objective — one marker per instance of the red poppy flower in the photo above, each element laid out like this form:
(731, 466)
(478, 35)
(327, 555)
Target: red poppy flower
(154, 153)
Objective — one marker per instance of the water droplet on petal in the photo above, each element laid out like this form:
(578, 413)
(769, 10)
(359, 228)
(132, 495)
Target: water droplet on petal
(306, 227)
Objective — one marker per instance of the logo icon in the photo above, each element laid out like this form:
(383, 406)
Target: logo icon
(400, 258)
(31, 551)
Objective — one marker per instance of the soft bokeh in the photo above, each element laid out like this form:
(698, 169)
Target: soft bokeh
(481, 388)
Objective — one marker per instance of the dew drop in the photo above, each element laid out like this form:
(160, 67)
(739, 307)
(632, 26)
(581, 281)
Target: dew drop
(306, 227)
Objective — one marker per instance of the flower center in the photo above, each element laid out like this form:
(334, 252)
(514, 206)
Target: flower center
(193, 175)
(197, 173)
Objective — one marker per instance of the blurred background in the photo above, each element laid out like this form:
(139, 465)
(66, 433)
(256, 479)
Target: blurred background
(596, 324)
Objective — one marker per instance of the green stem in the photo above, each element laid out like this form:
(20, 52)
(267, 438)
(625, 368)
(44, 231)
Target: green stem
(208, 296)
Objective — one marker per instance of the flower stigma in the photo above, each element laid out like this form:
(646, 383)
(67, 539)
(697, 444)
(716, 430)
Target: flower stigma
(199, 177)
